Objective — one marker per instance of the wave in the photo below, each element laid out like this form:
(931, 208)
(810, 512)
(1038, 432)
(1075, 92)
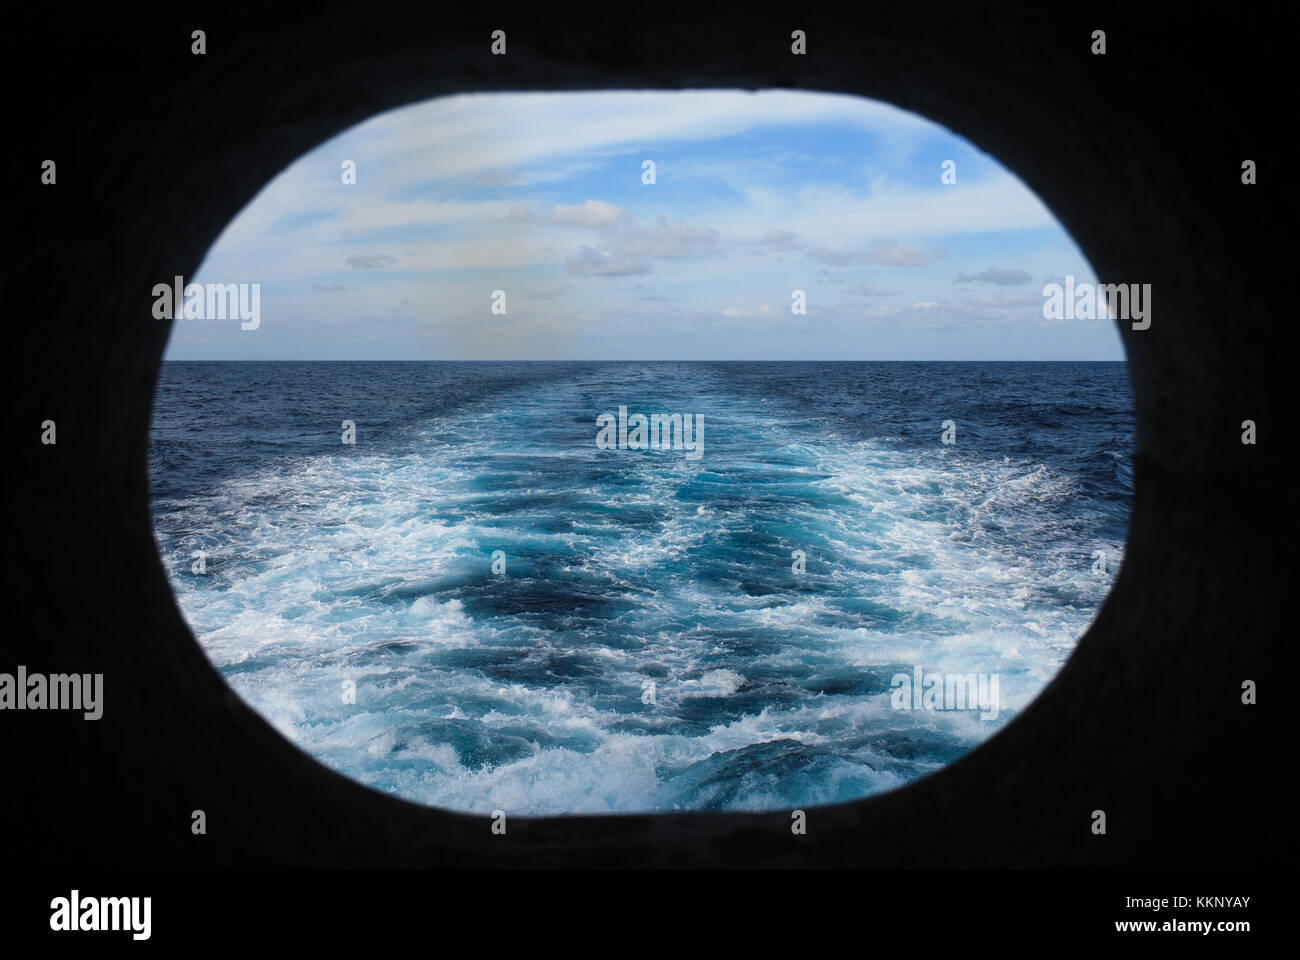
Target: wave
(649, 645)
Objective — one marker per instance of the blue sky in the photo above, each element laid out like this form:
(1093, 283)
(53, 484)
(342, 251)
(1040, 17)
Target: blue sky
(541, 196)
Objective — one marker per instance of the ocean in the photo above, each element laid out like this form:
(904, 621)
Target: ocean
(474, 607)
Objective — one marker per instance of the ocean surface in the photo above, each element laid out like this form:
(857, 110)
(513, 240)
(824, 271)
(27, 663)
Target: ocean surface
(649, 644)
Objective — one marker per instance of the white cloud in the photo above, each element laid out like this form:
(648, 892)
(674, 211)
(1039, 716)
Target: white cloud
(371, 261)
(592, 215)
(997, 276)
(601, 263)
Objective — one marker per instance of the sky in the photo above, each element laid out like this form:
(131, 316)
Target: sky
(541, 196)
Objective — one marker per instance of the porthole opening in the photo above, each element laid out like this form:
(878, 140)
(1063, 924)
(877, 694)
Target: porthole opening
(558, 453)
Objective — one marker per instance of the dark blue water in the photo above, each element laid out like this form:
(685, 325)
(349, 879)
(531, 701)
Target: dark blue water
(649, 644)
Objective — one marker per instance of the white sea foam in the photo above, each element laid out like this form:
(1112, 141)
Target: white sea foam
(524, 692)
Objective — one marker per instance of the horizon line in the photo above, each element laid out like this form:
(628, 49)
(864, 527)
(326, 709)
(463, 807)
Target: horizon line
(589, 360)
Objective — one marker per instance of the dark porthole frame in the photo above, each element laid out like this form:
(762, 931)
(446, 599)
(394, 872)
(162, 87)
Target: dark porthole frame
(158, 149)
